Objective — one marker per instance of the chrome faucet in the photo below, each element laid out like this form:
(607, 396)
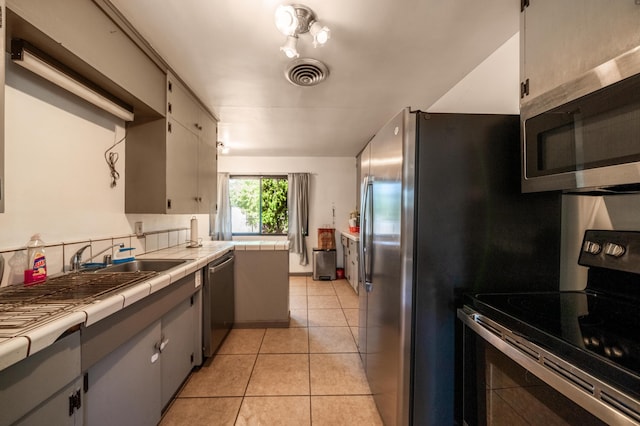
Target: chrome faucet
(76, 259)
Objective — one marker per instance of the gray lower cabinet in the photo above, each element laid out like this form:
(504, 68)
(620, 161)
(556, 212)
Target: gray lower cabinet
(45, 388)
(122, 370)
(123, 387)
(178, 351)
(136, 381)
(136, 359)
(261, 288)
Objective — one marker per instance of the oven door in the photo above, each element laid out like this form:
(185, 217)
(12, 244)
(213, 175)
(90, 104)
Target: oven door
(504, 384)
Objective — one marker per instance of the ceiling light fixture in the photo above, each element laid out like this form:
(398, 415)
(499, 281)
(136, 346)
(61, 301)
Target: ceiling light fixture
(48, 68)
(295, 19)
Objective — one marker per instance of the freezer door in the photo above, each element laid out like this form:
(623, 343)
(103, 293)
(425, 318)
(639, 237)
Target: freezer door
(383, 270)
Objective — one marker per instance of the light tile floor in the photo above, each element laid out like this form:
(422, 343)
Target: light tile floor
(307, 374)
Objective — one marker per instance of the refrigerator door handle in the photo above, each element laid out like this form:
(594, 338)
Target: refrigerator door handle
(367, 232)
(363, 229)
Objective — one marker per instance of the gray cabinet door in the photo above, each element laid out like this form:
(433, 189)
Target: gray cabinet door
(562, 39)
(207, 177)
(178, 352)
(55, 410)
(182, 169)
(124, 387)
(38, 387)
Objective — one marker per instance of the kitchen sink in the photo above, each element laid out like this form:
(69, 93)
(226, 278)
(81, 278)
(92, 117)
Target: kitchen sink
(143, 265)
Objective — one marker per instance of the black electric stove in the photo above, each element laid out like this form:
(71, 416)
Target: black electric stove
(596, 330)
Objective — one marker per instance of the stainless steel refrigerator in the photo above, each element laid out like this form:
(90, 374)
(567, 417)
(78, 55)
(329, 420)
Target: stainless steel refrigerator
(441, 214)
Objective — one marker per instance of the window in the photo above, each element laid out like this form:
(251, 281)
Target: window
(258, 205)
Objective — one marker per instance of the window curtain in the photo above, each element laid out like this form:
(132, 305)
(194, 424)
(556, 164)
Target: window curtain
(223, 218)
(298, 206)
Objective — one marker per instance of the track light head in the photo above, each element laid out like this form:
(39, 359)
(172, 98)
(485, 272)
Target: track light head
(290, 47)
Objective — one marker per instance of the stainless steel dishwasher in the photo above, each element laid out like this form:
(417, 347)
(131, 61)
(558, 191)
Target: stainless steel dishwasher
(218, 303)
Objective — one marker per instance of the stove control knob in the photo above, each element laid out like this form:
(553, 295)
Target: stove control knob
(591, 247)
(615, 250)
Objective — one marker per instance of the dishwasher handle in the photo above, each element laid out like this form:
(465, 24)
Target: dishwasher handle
(216, 268)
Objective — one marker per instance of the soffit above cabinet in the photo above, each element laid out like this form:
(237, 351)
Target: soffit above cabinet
(104, 56)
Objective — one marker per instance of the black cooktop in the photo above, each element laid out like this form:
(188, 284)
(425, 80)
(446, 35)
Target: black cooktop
(598, 333)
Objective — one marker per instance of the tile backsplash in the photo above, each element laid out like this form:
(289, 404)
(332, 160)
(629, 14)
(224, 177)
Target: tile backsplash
(59, 254)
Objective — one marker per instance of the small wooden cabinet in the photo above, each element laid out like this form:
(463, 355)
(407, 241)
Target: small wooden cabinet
(171, 163)
(351, 260)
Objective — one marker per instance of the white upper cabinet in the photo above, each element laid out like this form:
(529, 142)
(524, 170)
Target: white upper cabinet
(560, 40)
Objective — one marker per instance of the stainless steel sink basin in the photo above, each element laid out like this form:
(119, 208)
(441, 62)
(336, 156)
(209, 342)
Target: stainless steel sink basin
(154, 265)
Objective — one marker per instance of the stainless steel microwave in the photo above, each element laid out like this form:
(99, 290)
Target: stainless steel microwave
(585, 134)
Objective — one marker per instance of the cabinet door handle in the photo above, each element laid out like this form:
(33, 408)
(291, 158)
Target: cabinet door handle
(164, 344)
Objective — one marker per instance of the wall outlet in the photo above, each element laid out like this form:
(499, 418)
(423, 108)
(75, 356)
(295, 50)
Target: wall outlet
(138, 226)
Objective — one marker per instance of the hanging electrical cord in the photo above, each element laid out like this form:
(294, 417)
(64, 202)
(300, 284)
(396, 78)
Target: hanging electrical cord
(112, 158)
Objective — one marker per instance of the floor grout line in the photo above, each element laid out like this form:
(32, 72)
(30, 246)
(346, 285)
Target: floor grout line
(309, 352)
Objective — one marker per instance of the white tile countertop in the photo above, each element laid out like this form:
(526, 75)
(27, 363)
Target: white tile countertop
(351, 235)
(44, 334)
(261, 245)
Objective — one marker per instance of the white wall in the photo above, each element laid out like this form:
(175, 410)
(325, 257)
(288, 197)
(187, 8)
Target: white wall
(490, 88)
(333, 185)
(56, 177)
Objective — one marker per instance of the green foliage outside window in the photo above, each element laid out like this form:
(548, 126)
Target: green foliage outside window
(261, 204)
(275, 218)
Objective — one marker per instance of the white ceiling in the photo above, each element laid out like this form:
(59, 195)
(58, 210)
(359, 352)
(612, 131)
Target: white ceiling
(383, 55)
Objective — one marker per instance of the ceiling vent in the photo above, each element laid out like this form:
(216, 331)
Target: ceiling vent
(306, 72)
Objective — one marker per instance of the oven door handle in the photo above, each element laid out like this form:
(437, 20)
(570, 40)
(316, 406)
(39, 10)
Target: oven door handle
(557, 373)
